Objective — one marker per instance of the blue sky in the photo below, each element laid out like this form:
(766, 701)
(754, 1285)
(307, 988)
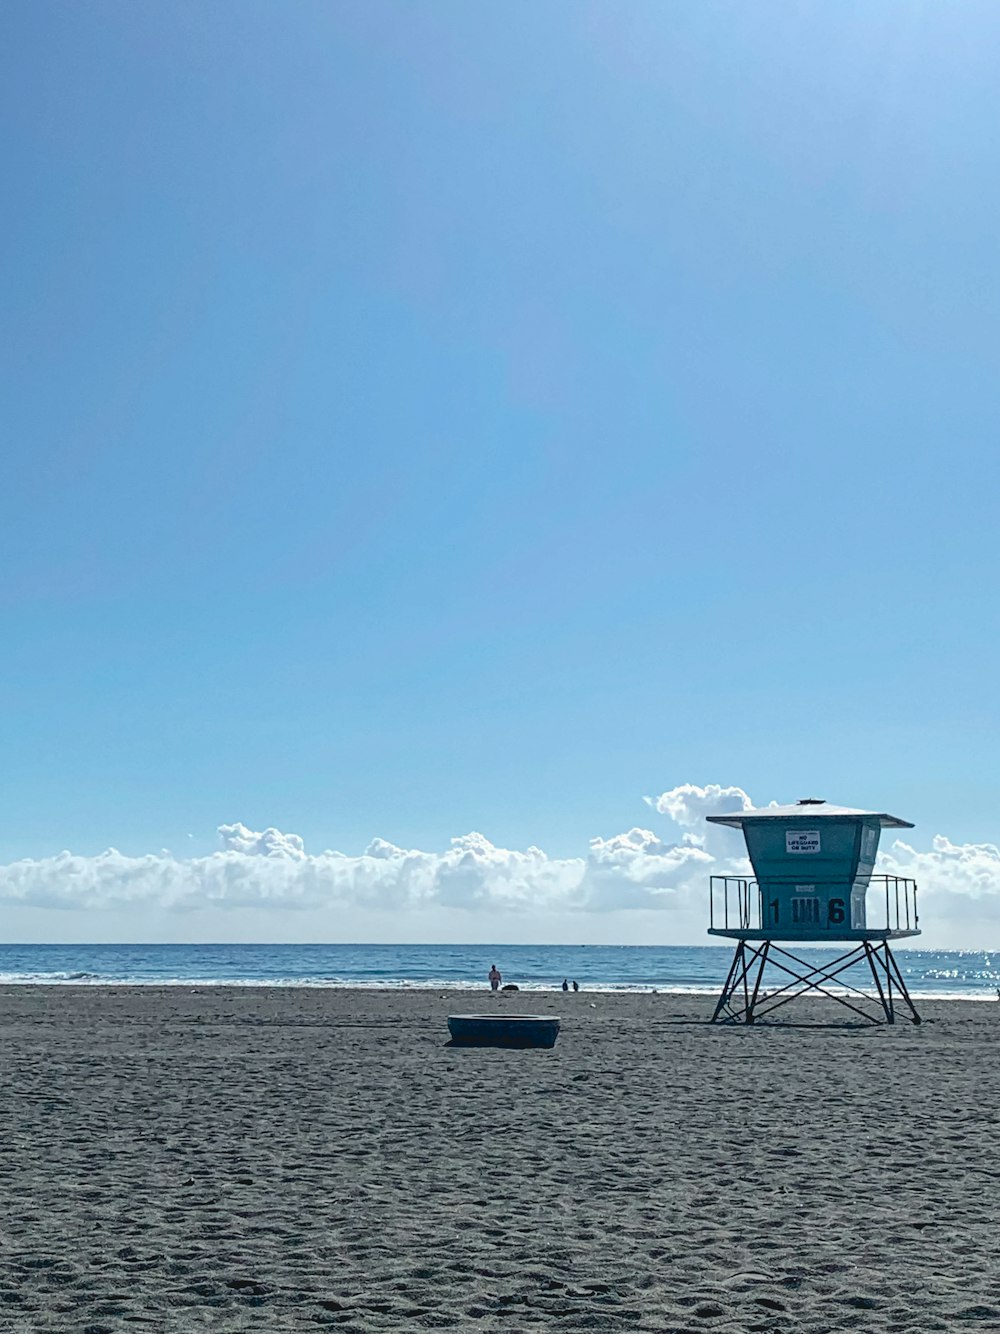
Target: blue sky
(430, 418)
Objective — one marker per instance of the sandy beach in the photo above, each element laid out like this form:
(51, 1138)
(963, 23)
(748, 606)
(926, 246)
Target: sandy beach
(292, 1159)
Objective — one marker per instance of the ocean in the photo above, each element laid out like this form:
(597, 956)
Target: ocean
(941, 974)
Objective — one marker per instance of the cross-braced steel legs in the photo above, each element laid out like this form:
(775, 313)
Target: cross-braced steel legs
(882, 962)
(743, 1001)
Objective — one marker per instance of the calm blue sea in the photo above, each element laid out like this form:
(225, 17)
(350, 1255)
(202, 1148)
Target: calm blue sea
(929, 973)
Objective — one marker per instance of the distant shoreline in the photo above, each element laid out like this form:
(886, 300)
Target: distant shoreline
(429, 988)
(412, 969)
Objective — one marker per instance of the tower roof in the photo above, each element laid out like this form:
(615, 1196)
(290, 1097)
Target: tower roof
(808, 808)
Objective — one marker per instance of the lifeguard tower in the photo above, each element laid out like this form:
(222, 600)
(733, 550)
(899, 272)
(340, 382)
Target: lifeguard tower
(812, 883)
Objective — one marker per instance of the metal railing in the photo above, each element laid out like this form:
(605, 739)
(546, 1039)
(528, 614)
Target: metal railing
(737, 903)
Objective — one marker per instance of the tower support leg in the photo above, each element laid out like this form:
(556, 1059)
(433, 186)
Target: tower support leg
(875, 961)
(745, 973)
(893, 973)
(743, 1001)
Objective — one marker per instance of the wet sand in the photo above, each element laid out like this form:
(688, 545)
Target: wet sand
(293, 1160)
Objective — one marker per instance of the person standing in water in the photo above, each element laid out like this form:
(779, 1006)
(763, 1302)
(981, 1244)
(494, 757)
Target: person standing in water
(495, 978)
(565, 985)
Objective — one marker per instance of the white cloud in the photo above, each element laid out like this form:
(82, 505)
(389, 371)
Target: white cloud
(659, 871)
(688, 805)
(271, 843)
(959, 886)
(639, 870)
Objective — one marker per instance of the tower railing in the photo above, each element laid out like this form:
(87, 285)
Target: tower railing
(736, 903)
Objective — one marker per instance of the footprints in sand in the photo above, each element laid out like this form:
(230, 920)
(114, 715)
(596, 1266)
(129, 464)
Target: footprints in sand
(300, 1161)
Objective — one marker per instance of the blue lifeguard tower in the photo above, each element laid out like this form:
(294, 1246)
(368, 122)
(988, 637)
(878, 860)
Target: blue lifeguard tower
(813, 883)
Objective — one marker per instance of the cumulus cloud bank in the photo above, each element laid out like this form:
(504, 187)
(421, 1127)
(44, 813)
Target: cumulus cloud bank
(665, 869)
